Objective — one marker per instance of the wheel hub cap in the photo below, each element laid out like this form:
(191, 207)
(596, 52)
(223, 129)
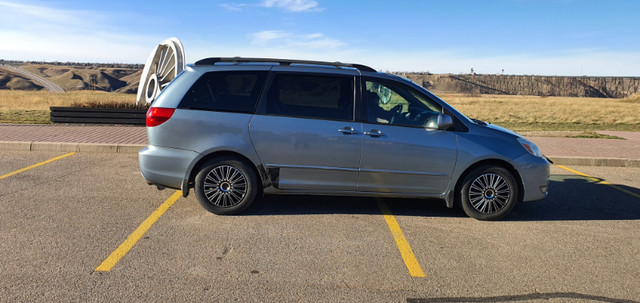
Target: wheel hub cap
(489, 193)
(225, 186)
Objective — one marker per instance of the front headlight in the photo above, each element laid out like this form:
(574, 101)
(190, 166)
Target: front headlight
(530, 147)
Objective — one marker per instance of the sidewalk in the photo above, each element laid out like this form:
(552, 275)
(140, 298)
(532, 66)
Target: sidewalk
(71, 137)
(593, 152)
(130, 139)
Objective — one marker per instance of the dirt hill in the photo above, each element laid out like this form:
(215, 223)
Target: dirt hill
(120, 79)
(13, 81)
(598, 87)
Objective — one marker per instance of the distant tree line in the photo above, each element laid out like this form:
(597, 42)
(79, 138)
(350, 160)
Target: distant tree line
(86, 64)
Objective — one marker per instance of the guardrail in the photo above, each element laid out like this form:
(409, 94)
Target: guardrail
(98, 115)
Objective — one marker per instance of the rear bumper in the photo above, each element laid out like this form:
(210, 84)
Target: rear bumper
(165, 166)
(534, 172)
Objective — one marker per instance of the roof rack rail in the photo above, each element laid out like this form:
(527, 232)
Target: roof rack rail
(212, 61)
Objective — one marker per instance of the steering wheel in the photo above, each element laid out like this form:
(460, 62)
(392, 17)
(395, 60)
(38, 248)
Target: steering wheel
(396, 113)
(422, 117)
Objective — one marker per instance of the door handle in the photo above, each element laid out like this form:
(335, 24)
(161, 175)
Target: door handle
(375, 133)
(348, 130)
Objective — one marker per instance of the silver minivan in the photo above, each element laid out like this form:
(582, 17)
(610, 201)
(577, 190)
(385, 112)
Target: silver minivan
(237, 128)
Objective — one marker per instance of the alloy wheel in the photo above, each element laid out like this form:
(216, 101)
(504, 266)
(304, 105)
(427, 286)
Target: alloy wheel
(225, 186)
(489, 193)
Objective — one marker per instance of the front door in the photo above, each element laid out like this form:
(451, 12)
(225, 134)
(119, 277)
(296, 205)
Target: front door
(402, 150)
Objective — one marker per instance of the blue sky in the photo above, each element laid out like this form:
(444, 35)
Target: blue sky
(542, 37)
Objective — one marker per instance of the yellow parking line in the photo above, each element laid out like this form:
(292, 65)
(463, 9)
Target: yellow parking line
(403, 245)
(599, 181)
(133, 238)
(35, 165)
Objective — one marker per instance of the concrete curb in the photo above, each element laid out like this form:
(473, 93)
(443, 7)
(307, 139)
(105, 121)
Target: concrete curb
(71, 147)
(586, 161)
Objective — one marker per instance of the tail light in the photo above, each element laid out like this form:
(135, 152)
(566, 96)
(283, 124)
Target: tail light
(158, 115)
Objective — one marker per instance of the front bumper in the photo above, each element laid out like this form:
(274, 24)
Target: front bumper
(534, 172)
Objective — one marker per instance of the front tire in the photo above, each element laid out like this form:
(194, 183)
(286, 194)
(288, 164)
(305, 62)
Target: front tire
(489, 193)
(226, 186)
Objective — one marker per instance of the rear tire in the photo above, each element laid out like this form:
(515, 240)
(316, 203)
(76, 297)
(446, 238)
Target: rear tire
(226, 186)
(489, 193)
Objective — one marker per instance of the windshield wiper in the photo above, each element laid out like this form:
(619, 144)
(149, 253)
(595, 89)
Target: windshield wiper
(480, 122)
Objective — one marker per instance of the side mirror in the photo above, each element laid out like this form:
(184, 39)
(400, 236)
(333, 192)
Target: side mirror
(444, 121)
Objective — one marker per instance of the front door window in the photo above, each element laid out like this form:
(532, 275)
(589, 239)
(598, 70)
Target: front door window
(390, 103)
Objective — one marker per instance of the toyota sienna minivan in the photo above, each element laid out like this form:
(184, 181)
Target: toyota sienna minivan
(234, 129)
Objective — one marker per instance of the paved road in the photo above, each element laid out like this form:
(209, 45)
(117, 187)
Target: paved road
(50, 86)
(62, 219)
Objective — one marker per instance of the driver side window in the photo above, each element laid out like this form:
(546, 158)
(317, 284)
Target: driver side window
(390, 103)
(382, 103)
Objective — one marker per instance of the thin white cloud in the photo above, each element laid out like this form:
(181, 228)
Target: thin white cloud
(37, 13)
(276, 44)
(293, 5)
(38, 32)
(278, 39)
(234, 6)
(264, 37)
(33, 18)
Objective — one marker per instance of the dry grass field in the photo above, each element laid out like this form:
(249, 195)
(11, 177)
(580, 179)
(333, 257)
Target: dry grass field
(534, 113)
(520, 113)
(33, 106)
(42, 100)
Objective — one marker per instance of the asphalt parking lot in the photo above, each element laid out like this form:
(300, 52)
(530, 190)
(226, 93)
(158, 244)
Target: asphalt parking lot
(63, 219)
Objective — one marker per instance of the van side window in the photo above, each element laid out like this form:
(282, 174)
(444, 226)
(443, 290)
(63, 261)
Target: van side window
(392, 103)
(313, 96)
(236, 91)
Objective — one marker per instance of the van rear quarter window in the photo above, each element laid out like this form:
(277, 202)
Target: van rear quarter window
(236, 91)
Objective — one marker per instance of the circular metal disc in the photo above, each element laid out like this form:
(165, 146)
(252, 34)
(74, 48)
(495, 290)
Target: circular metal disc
(164, 64)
